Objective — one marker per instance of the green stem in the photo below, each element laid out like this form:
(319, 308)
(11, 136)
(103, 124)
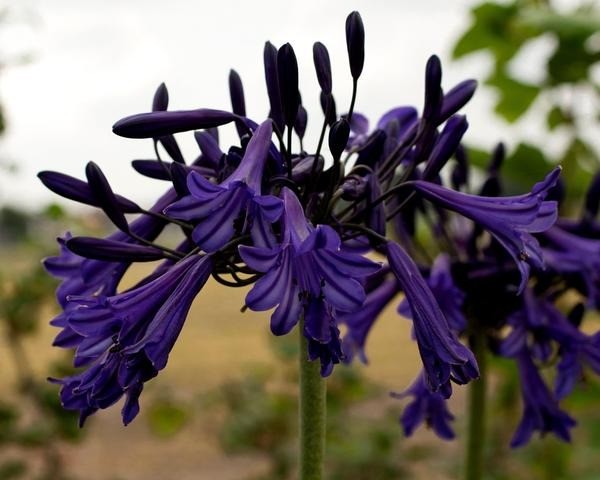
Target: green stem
(476, 412)
(312, 415)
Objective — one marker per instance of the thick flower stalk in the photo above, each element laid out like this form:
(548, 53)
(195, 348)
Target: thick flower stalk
(297, 225)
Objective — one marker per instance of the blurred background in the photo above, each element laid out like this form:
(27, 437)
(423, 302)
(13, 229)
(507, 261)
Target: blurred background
(225, 408)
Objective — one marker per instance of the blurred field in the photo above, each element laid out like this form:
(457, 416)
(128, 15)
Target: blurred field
(218, 344)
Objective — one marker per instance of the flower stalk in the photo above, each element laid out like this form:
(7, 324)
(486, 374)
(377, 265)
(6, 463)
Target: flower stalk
(476, 411)
(312, 414)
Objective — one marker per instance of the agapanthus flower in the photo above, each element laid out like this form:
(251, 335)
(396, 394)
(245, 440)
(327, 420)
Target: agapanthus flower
(214, 209)
(125, 339)
(568, 253)
(540, 330)
(83, 276)
(511, 220)
(397, 121)
(580, 351)
(426, 407)
(541, 411)
(450, 298)
(307, 274)
(299, 226)
(444, 357)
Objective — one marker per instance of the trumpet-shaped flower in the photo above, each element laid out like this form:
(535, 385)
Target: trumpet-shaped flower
(541, 410)
(511, 220)
(216, 209)
(125, 339)
(444, 357)
(307, 274)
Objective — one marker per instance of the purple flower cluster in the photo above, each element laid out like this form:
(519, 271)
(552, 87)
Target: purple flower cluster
(526, 288)
(297, 225)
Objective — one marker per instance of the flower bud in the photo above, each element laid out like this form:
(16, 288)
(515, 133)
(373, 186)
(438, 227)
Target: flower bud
(322, 66)
(287, 73)
(355, 41)
(104, 196)
(433, 89)
(236, 92)
(270, 63)
(161, 98)
(338, 137)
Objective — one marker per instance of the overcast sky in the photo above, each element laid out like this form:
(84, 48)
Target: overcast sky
(95, 61)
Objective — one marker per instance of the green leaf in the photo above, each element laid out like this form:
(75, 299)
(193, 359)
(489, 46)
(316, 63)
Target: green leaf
(515, 97)
(571, 62)
(166, 418)
(478, 157)
(11, 469)
(580, 23)
(525, 166)
(54, 212)
(495, 28)
(578, 162)
(557, 117)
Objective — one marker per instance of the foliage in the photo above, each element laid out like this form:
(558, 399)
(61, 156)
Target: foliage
(563, 94)
(261, 417)
(33, 423)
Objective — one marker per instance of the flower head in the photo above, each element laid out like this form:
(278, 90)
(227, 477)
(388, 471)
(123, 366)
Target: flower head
(125, 339)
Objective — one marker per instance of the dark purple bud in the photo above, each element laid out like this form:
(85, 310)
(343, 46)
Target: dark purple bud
(592, 197)
(303, 167)
(338, 137)
(79, 191)
(209, 147)
(328, 106)
(322, 66)
(236, 92)
(457, 98)
(492, 187)
(152, 169)
(112, 250)
(355, 41)
(287, 74)
(104, 196)
(179, 175)
(498, 156)
(301, 121)
(433, 89)
(161, 98)
(172, 148)
(460, 173)
(446, 145)
(272, 81)
(158, 124)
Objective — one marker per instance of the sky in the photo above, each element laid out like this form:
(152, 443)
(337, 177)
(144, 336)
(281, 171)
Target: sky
(94, 62)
